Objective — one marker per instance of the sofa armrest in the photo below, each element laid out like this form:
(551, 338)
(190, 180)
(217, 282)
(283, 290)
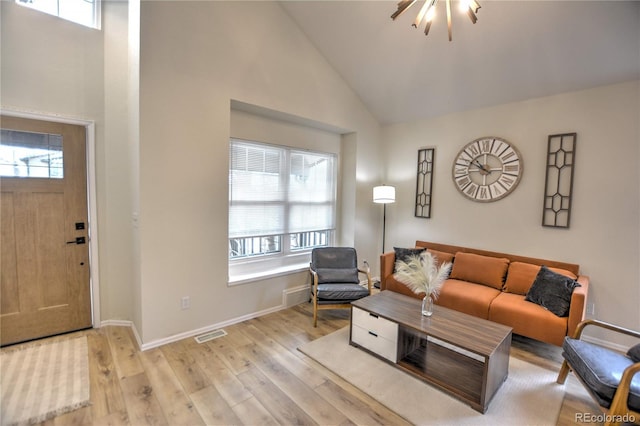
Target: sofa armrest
(387, 260)
(578, 307)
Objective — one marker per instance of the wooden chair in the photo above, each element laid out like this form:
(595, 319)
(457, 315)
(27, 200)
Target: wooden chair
(335, 279)
(610, 376)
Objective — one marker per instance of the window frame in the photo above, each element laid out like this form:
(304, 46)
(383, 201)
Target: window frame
(287, 260)
(96, 15)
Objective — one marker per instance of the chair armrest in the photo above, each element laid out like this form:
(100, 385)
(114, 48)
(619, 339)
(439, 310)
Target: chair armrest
(604, 325)
(314, 279)
(363, 271)
(387, 260)
(578, 306)
(627, 376)
(619, 404)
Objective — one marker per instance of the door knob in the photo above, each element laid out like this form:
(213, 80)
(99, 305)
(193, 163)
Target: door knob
(78, 240)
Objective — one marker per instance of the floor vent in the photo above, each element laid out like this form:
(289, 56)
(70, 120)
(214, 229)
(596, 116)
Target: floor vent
(210, 336)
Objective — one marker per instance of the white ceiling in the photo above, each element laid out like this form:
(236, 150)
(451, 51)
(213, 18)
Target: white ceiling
(517, 50)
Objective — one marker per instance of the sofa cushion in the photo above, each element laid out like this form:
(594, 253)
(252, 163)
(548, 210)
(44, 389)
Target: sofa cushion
(441, 256)
(634, 353)
(470, 298)
(394, 285)
(402, 254)
(475, 268)
(552, 291)
(521, 276)
(528, 319)
(601, 369)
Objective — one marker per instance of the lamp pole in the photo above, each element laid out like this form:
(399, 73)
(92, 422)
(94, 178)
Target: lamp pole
(384, 223)
(384, 195)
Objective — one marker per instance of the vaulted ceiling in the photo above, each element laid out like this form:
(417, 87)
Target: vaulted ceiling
(517, 50)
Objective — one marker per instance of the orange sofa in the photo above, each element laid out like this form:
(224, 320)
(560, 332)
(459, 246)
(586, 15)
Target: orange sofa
(493, 286)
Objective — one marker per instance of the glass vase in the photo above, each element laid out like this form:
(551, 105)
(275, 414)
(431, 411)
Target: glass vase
(427, 306)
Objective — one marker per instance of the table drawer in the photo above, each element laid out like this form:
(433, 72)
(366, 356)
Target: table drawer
(370, 322)
(379, 345)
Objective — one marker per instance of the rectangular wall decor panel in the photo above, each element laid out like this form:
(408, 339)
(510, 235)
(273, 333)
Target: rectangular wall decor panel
(424, 182)
(558, 187)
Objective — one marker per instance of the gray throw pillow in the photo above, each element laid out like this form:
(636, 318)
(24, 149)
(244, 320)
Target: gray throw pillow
(634, 353)
(404, 253)
(552, 291)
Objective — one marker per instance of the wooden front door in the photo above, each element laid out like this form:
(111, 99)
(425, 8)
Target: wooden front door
(44, 247)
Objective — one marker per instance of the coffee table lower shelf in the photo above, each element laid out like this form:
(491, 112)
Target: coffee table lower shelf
(458, 374)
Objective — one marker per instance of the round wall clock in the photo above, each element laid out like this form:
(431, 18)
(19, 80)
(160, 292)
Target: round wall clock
(487, 169)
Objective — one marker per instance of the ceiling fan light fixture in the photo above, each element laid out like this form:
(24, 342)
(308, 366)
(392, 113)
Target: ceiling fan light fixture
(427, 12)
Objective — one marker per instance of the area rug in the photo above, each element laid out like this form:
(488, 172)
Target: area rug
(40, 382)
(529, 396)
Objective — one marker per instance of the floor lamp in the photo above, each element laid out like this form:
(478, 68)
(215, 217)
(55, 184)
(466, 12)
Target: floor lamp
(384, 195)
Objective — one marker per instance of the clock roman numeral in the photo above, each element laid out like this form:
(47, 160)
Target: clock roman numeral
(463, 182)
(471, 190)
(512, 168)
(506, 181)
(485, 145)
(496, 190)
(498, 148)
(483, 193)
(509, 154)
(472, 151)
(460, 170)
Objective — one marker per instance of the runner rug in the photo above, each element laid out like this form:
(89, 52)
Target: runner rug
(529, 396)
(40, 382)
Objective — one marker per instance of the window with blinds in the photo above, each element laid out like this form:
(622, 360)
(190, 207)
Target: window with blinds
(282, 200)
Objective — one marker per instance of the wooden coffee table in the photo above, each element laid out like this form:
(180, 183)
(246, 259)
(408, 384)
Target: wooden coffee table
(467, 357)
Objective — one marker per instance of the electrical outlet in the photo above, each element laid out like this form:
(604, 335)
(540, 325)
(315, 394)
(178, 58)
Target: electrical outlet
(591, 309)
(185, 302)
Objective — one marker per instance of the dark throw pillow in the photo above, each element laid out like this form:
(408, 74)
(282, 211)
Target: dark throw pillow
(552, 291)
(404, 253)
(634, 353)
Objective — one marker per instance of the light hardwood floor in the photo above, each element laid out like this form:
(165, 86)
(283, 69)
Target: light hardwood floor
(253, 376)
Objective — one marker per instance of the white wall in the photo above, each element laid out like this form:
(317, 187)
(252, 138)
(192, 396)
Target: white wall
(604, 237)
(118, 256)
(50, 65)
(196, 57)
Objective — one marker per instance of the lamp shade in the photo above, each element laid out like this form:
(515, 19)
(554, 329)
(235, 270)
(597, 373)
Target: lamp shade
(384, 194)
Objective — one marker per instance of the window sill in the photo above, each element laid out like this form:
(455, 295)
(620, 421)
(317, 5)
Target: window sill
(271, 273)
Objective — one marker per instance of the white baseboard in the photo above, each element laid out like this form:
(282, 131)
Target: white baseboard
(290, 297)
(192, 333)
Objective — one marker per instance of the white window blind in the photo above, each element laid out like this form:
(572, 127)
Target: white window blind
(279, 192)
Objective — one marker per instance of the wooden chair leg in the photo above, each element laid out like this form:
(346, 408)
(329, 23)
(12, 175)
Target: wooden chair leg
(315, 314)
(618, 407)
(564, 371)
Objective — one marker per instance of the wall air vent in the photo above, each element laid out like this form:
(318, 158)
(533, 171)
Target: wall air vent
(210, 336)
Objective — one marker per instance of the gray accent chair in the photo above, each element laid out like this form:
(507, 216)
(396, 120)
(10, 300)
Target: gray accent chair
(335, 279)
(611, 377)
